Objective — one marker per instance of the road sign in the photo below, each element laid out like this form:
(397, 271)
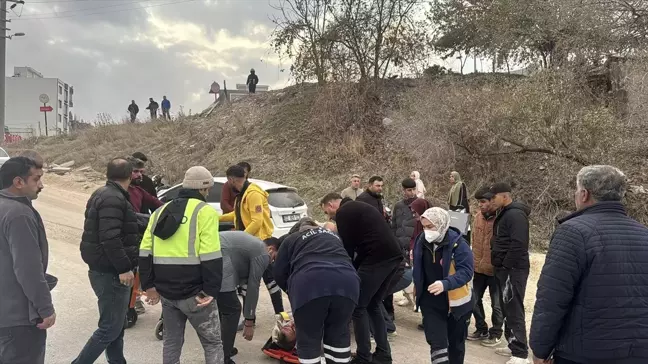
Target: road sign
(215, 88)
(46, 108)
(43, 98)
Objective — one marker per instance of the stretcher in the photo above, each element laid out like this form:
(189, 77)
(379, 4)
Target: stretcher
(281, 345)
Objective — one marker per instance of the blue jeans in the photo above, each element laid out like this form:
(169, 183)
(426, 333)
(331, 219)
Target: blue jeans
(113, 298)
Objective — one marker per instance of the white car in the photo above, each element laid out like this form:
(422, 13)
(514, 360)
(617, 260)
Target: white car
(3, 156)
(286, 207)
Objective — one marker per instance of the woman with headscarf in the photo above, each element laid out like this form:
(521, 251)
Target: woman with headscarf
(443, 271)
(458, 197)
(420, 187)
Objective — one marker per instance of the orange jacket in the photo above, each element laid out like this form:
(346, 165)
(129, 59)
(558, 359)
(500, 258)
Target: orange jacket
(481, 235)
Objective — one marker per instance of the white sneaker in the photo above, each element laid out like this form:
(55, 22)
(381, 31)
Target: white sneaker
(515, 360)
(505, 351)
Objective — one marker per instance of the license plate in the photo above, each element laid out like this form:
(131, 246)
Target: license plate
(291, 218)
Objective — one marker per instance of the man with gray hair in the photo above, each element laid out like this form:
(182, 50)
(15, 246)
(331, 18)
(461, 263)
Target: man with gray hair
(592, 299)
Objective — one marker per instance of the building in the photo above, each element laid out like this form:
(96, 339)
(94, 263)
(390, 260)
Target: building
(242, 91)
(23, 116)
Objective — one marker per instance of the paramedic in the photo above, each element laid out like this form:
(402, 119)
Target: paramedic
(443, 270)
(252, 215)
(182, 262)
(312, 266)
(244, 260)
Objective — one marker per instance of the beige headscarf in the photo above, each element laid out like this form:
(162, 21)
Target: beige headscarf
(420, 187)
(439, 217)
(455, 192)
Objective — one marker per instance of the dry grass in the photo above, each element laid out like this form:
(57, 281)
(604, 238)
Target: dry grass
(314, 138)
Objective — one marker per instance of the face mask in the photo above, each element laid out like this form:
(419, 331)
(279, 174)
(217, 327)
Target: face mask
(432, 236)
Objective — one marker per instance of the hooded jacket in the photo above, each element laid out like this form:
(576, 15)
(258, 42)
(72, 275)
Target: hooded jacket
(482, 235)
(592, 300)
(510, 242)
(255, 213)
(457, 271)
(26, 297)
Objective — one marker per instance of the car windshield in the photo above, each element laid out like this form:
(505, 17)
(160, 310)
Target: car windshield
(3, 154)
(284, 198)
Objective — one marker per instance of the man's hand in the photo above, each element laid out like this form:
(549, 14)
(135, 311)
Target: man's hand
(127, 279)
(542, 361)
(47, 322)
(248, 330)
(436, 288)
(152, 296)
(204, 301)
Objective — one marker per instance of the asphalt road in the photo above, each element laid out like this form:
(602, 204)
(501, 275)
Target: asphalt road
(62, 209)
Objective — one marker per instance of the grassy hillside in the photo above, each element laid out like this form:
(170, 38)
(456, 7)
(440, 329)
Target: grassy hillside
(534, 132)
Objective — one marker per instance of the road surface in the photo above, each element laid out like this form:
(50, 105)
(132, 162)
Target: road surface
(62, 210)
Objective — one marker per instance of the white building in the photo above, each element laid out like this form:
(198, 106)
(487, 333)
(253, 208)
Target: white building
(23, 116)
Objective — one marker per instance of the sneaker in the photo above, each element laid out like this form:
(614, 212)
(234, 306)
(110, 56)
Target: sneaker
(139, 307)
(491, 342)
(516, 360)
(503, 351)
(421, 327)
(477, 335)
(392, 335)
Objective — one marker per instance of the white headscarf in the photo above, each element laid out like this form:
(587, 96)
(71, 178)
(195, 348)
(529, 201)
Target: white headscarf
(420, 187)
(439, 217)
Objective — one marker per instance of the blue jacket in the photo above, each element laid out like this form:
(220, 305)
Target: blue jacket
(459, 284)
(166, 104)
(592, 300)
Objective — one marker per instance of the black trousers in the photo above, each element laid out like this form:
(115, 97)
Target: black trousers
(273, 289)
(558, 360)
(375, 282)
(22, 345)
(324, 320)
(229, 310)
(512, 284)
(480, 283)
(445, 333)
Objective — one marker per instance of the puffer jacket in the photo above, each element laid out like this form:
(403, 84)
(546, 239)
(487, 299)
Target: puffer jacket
(482, 233)
(110, 240)
(510, 243)
(592, 299)
(403, 224)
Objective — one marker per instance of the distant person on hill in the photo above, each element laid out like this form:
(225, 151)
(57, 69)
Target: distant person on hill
(166, 106)
(153, 108)
(373, 195)
(420, 187)
(133, 110)
(354, 190)
(252, 81)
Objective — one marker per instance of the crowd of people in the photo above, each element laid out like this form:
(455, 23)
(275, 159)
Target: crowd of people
(591, 304)
(153, 107)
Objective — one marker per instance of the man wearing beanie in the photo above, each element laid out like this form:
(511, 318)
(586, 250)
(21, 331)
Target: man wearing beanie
(482, 234)
(510, 259)
(181, 264)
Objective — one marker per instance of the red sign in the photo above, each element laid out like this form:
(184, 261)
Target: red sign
(46, 108)
(9, 138)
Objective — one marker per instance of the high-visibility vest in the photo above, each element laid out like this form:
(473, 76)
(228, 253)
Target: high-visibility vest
(195, 240)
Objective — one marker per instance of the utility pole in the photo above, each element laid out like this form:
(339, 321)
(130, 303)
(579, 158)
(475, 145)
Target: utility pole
(3, 59)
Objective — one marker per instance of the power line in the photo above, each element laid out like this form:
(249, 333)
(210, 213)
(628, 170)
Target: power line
(82, 9)
(105, 12)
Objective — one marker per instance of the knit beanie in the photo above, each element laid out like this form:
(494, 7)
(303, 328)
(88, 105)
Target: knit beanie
(197, 178)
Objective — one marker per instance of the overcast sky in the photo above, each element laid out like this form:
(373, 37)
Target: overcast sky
(113, 51)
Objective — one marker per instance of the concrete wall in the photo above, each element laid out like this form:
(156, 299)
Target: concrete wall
(23, 107)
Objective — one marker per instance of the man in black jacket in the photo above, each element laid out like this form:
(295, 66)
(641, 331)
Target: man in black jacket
(373, 195)
(379, 260)
(592, 299)
(109, 245)
(510, 259)
(146, 182)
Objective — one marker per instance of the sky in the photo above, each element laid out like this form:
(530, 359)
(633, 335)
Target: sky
(115, 51)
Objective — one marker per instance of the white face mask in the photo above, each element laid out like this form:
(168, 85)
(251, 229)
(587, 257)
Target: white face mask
(432, 236)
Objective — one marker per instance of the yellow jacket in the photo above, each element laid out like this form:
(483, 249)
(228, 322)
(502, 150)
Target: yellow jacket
(255, 213)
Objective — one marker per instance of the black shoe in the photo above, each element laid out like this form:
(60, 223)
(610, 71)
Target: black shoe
(230, 362)
(381, 359)
(234, 352)
(357, 360)
(421, 327)
(478, 335)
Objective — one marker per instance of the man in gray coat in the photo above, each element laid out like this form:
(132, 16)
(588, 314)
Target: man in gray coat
(26, 309)
(245, 259)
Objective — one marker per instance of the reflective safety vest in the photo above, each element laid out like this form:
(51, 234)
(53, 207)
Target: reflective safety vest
(196, 240)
